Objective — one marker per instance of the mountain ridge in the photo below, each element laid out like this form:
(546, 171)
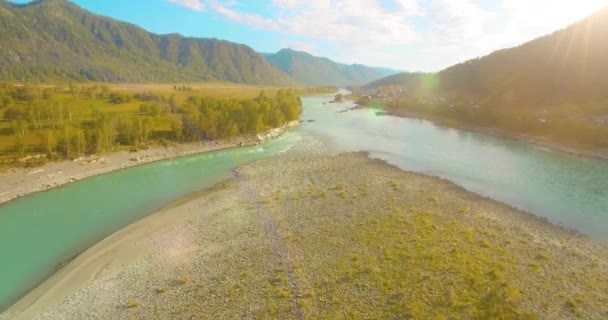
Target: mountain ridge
(567, 65)
(56, 39)
(313, 70)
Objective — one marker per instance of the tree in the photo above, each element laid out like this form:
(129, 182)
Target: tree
(142, 130)
(67, 138)
(172, 103)
(49, 141)
(20, 127)
(79, 141)
(20, 145)
(276, 118)
(177, 128)
(6, 102)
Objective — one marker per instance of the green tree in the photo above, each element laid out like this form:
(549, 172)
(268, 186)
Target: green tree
(6, 102)
(19, 127)
(49, 140)
(20, 146)
(177, 128)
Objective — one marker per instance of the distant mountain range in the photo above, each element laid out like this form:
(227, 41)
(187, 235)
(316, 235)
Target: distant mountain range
(48, 40)
(56, 39)
(317, 71)
(568, 66)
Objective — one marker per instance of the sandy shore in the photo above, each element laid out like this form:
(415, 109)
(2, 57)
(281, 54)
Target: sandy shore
(18, 182)
(300, 236)
(598, 154)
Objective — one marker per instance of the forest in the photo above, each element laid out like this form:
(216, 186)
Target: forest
(568, 124)
(70, 121)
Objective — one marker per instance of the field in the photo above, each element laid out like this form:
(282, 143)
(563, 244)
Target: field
(71, 120)
(341, 237)
(218, 90)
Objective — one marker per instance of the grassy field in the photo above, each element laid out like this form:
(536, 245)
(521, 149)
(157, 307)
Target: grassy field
(218, 90)
(78, 103)
(346, 237)
(363, 240)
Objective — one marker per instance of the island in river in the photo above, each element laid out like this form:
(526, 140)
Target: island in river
(344, 236)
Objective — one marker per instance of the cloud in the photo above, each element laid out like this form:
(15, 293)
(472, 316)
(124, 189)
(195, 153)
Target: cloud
(250, 19)
(461, 29)
(195, 5)
(367, 23)
(300, 46)
(424, 35)
(457, 22)
(524, 19)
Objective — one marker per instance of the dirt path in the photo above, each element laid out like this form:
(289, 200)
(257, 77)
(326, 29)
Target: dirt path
(265, 216)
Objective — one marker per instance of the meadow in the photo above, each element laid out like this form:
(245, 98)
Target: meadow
(53, 121)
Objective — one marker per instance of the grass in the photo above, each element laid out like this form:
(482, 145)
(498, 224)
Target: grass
(450, 267)
(572, 306)
(426, 269)
(183, 280)
(384, 256)
(219, 90)
(422, 257)
(82, 108)
(394, 185)
(162, 290)
(132, 304)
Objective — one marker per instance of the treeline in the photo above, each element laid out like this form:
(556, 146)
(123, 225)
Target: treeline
(82, 46)
(313, 90)
(566, 124)
(207, 118)
(43, 120)
(62, 123)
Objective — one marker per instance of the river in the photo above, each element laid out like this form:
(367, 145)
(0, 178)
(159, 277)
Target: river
(41, 231)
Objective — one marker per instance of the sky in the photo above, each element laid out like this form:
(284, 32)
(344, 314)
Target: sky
(410, 35)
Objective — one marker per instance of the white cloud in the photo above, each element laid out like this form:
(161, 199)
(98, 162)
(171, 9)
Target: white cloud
(286, 4)
(524, 19)
(300, 46)
(456, 22)
(411, 7)
(458, 30)
(424, 35)
(363, 24)
(195, 5)
(250, 19)
(462, 29)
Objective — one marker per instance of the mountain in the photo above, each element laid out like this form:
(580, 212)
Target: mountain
(318, 71)
(387, 71)
(551, 89)
(400, 79)
(566, 67)
(56, 39)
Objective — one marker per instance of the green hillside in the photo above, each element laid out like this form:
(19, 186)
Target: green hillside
(554, 87)
(55, 39)
(317, 71)
(568, 66)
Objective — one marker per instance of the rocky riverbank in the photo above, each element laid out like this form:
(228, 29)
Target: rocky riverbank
(301, 236)
(19, 182)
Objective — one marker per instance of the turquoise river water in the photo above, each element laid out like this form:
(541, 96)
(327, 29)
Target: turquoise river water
(40, 231)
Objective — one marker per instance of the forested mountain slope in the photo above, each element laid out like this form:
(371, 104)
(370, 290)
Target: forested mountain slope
(318, 71)
(56, 39)
(553, 88)
(566, 67)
